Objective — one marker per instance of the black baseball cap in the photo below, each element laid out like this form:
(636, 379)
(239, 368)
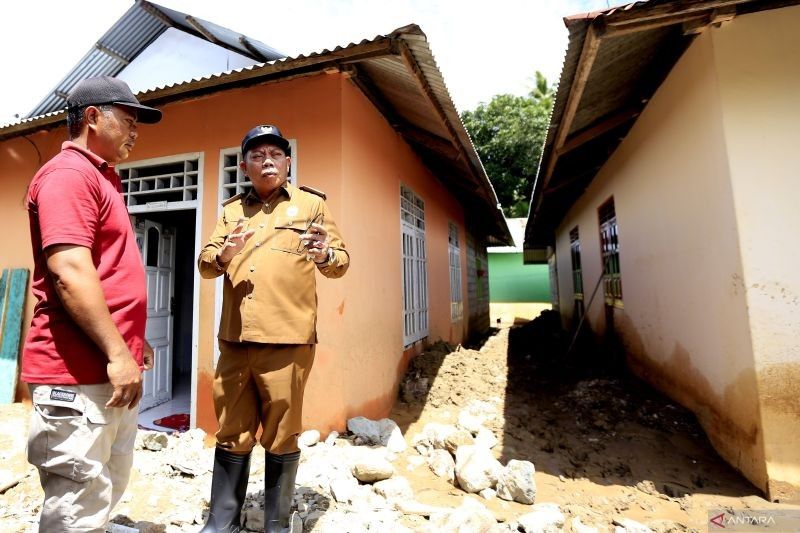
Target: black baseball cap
(265, 133)
(103, 90)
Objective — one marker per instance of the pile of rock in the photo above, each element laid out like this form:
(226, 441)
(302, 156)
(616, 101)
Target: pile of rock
(350, 482)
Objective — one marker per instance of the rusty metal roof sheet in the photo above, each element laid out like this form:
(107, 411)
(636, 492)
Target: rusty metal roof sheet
(614, 62)
(143, 23)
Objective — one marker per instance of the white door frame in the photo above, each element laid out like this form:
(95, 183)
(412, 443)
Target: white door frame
(195, 205)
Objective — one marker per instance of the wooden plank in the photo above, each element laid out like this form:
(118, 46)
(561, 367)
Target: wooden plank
(13, 288)
(598, 129)
(591, 45)
(691, 13)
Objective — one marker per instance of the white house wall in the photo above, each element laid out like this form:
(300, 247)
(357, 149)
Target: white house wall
(758, 66)
(684, 324)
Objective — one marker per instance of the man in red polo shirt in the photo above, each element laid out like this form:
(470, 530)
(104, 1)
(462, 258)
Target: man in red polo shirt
(85, 349)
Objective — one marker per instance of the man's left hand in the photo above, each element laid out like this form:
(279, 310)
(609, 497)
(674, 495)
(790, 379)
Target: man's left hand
(148, 356)
(317, 243)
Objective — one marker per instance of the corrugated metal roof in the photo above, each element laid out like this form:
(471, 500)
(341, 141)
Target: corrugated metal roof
(132, 33)
(398, 73)
(614, 62)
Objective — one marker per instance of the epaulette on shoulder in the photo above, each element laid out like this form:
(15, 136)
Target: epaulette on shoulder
(312, 190)
(233, 198)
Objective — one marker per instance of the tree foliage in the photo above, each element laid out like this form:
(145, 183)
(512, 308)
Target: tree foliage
(508, 134)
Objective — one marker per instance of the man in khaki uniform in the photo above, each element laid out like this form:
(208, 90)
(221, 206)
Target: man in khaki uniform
(267, 245)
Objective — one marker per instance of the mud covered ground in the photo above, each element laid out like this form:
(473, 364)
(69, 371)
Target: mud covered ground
(606, 447)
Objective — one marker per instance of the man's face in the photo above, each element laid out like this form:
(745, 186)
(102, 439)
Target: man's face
(267, 166)
(115, 132)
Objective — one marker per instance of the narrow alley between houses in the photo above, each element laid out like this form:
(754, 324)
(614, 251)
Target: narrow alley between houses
(457, 453)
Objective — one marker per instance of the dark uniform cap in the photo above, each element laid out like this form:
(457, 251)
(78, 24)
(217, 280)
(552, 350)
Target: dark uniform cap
(265, 133)
(107, 90)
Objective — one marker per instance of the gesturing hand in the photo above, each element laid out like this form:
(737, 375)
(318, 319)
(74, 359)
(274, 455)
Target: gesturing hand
(316, 242)
(234, 242)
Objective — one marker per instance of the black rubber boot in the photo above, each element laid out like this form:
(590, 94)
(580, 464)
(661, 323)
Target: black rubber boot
(279, 475)
(228, 489)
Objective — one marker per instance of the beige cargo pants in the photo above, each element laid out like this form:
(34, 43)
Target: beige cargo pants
(83, 452)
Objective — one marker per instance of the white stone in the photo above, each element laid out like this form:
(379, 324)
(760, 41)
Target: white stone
(442, 464)
(330, 440)
(391, 436)
(488, 494)
(580, 527)
(470, 422)
(438, 433)
(460, 437)
(396, 488)
(476, 468)
(372, 467)
(413, 507)
(470, 516)
(626, 525)
(517, 482)
(155, 441)
(308, 438)
(545, 518)
(485, 438)
(343, 489)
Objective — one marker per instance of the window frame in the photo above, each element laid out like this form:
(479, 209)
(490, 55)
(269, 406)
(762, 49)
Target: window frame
(456, 285)
(610, 253)
(414, 269)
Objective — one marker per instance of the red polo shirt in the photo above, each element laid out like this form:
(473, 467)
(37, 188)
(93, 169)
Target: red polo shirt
(75, 199)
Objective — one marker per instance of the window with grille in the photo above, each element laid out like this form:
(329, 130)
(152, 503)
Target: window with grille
(454, 253)
(165, 182)
(232, 179)
(415, 267)
(577, 271)
(609, 247)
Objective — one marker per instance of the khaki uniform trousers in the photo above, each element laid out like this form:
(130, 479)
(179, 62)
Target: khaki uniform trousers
(83, 452)
(261, 384)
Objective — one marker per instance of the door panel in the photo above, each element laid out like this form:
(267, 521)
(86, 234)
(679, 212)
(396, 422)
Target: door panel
(157, 245)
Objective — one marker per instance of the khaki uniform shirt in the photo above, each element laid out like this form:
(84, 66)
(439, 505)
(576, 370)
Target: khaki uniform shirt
(269, 291)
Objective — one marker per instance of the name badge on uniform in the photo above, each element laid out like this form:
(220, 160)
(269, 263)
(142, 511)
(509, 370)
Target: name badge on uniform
(62, 395)
(292, 211)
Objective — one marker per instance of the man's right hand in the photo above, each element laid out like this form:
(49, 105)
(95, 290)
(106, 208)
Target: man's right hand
(126, 378)
(234, 242)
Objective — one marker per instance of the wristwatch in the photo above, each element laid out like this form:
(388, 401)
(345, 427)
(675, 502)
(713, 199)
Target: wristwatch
(219, 266)
(328, 259)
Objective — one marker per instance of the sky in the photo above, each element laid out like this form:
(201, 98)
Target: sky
(482, 48)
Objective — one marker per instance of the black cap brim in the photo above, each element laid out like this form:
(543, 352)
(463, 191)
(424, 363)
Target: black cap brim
(144, 114)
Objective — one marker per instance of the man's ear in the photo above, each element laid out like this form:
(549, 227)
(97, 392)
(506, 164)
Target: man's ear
(91, 115)
(243, 166)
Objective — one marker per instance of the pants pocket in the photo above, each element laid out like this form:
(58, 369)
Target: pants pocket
(62, 438)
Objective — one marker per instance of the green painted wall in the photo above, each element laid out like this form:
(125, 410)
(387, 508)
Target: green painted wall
(512, 281)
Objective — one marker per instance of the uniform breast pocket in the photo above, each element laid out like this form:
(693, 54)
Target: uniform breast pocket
(286, 235)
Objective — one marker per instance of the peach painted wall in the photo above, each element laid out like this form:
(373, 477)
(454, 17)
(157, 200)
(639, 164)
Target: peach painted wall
(345, 148)
(759, 79)
(375, 161)
(684, 325)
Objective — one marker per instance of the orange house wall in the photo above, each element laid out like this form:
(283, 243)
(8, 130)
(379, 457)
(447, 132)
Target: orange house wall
(375, 161)
(345, 148)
